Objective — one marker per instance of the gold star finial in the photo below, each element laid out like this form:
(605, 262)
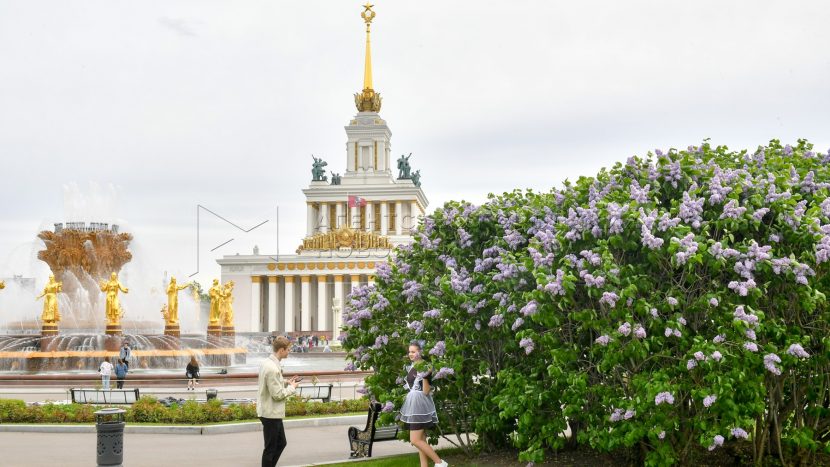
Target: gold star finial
(368, 100)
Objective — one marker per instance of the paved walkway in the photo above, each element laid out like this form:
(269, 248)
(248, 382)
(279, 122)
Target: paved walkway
(306, 446)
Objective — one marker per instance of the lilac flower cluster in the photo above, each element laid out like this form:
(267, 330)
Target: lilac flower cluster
(770, 360)
(638, 194)
(380, 341)
(717, 441)
(527, 344)
(732, 210)
(496, 321)
(388, 407)
(688, 247)
(691, 210)
(530, 309)
(590, 280)
(434, 313)
(438, 349)
(675, 332)
(603, 340)
(796, 350)
(465, 239)
(716, 356)
(615, 213)
(444, 372)
(555, 287)
(624, 329)
(664, 397)
(416, 326)
(460, 281)
(411, 290)
(609, 298)
(384, 270)
(639, 332)
(517, 324)
(709, 400)
(740, 433)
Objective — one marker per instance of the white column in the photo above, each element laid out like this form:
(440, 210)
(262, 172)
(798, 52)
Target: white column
(273, 300)
(289, 303)
(398, 218)
(309, 223)
(339, 221)
(354, 217)
(305, 303)
(413, 216)
(370, 216)
(384, 218)
(322, 302)
(255, 304)
(338, 298)
(324, 217)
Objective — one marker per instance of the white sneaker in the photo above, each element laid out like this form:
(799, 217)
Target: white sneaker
(442, 464)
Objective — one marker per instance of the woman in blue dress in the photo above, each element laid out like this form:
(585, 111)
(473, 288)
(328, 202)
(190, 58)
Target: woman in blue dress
(418, 410)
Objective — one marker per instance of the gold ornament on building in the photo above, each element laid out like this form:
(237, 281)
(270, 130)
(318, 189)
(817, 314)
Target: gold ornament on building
(345, 237)
(368, 100)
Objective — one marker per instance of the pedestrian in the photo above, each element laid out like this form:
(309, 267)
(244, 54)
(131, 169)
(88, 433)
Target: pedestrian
(125, 353)
(120, 373)
(105, 370)
(418, 409)
(270, 406)
(192, 373)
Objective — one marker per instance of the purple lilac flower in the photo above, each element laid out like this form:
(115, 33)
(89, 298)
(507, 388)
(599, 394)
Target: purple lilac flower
(629, 414)
(380, 341)
(681, 320)
(609, 298)
(797, 350)
(624, 329)
(496, 321)
(416, 326)
(603, 340)
(432, 313)
(517, 324)
(444, 372)
(530, 309)
(691, 210)
(464, 239)
(740, 433)
(700, 355)
(667, 222)
(615, 213)
(709, 400)
(717, 441)
(384, 270)
(689, 248)
(527, 344)
(639, 195)
(770, 360)
(616, 415)
(664, 397)
(654, 313)
(719, 338)
(672, 301)
(732, 210)
(691, 363)
(639, 332)
(438, 349)
(716, 356)
(760, 213)
(713, 302)
(411, 290)
(750, 334)
(662, 435)
(388, 407)
(555, 287)
(350, 367)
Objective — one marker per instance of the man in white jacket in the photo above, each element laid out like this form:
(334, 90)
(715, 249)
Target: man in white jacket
(270, 406)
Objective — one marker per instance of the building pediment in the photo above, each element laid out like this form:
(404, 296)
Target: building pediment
(345, 237)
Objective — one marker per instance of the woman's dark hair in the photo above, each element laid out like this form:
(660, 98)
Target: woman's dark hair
(416, 344)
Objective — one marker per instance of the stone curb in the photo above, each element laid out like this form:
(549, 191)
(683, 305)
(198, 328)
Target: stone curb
(187, 429)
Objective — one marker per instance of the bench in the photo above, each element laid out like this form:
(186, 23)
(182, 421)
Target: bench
(318, 391)
(360, 441)
(104, 396)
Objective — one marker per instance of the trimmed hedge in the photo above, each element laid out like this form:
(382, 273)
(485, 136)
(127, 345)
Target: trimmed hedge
(149, 410)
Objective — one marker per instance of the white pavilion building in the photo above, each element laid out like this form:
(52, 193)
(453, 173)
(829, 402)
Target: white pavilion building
(352, 224)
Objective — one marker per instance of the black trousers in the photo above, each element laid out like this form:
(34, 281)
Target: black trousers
(274, 434)
(120, 383)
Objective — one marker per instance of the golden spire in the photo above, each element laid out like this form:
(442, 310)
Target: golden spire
(368, 100)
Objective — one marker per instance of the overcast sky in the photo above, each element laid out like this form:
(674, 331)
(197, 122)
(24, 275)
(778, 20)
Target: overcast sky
(135, 112)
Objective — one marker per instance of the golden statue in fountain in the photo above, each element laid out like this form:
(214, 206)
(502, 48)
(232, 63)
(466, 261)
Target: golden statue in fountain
(172, 317)
(51, 315)
(113, 307)
(227, 305)
(2, 285)
(215, 293)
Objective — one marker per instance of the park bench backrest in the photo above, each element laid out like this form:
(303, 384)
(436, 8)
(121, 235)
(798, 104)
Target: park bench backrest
(104, 396)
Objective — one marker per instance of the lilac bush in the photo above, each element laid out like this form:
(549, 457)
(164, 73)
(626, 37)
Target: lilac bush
(670, 301)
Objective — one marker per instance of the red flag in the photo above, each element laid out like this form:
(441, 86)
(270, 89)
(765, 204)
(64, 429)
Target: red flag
(356, 201)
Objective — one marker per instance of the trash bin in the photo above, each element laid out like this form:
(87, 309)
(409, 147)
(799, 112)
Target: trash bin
(109, 423)
(211, 394)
